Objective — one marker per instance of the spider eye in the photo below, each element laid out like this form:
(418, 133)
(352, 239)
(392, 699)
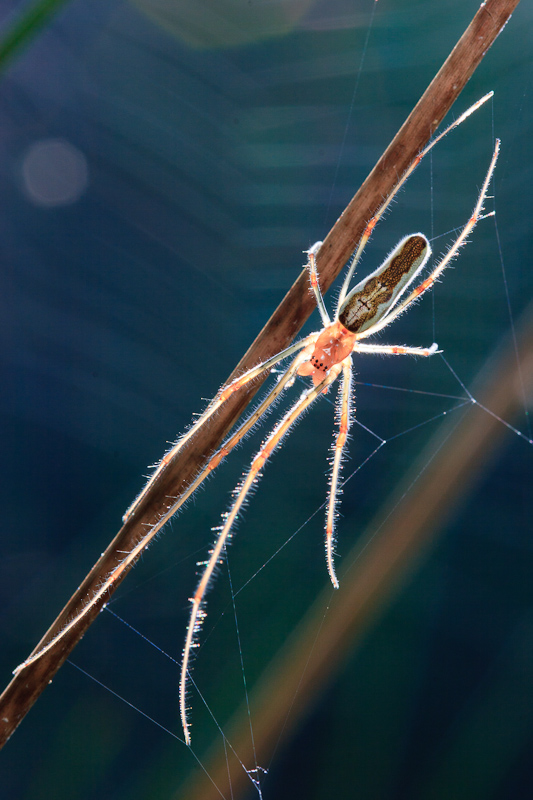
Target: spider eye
(370, 300)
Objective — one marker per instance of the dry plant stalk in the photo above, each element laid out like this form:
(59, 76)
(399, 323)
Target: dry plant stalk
(296, 307)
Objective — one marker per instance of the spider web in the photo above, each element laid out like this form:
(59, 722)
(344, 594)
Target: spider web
(172, 277)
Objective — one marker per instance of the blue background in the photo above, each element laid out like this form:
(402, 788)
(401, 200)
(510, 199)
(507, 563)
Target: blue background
(213, 144)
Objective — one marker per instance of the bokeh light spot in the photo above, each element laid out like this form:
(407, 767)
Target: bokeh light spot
(54, 173)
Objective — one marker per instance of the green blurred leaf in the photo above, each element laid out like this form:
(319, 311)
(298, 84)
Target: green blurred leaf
(25, 27)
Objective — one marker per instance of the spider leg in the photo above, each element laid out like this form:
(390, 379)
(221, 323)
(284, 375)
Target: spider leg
(145, 540)
(344, 419)
(477, 215)
(223, 395)
(388, 200)
(315, 286)
(396, 349)
(268, 447)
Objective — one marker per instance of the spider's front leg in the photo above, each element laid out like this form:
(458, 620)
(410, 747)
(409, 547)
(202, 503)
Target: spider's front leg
(344, 420)
(397, 349)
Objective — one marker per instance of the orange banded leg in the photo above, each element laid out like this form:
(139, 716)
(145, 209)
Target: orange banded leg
(344, 412)
(221, 398)
(315, 286)
(213, 463)
(197, 614)
(388, 200)
(396, 349)
(477, 215)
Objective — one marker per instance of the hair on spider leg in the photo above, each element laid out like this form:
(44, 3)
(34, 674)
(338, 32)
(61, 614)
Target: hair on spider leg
(373, 304)
(324, 357)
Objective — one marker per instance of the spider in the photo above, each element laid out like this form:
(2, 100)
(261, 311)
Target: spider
(323, 356)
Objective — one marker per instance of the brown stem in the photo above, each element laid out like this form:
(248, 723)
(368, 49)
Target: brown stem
(284, 324)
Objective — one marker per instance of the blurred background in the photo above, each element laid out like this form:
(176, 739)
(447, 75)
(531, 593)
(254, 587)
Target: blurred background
(163, 166)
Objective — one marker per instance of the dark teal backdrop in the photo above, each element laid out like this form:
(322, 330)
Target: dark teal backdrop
(163, 165)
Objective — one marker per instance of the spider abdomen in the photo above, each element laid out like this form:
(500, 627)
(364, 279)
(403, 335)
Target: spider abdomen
(373, 297)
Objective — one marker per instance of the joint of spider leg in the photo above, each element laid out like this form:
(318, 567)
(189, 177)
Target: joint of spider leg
(196, 602)
(311, 264)
(423, 286)
(232, 388)
(370, 227)
(217, 458)
(260, 459)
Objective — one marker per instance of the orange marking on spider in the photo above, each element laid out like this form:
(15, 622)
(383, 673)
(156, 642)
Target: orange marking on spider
(370, 227)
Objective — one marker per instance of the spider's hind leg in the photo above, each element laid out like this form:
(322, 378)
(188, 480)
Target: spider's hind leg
(344, 412)
(270, 444)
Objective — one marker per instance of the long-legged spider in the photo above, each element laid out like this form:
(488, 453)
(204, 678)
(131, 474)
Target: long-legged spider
(323, 356)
